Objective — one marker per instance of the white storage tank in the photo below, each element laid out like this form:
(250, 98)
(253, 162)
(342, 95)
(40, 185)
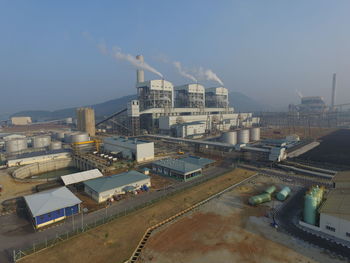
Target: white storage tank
(69, 120)
(16, 145)
(243, 136)
(80, 137)
(255, 134)
(229, 137)
(56, 145)
(41, 141)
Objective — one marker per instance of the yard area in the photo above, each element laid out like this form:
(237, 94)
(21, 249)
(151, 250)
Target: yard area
(115, 241)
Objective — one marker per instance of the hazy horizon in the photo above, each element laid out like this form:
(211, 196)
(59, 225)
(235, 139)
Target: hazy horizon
(60, 54)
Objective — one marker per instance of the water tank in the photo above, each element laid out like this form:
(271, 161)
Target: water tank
(16, 145)
(229, 137)
(255, 134)
(56, 145)
(59, 136)
(283, 194)
(41, 141)
(270, 190)
(259, 199)
(243, 136)
(80, 137)
(310, 206)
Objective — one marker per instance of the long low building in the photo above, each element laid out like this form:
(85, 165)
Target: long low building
(51, 206)
(177, 169)
(100, 189)
(37, 157)
(130, 148)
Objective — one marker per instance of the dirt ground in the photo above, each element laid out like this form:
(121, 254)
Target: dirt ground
(115, 241)
(228, 230)
(11, 188)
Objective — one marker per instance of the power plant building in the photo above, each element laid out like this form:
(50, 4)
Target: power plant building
(216, 97)
(190, 96)
(86, 120)
(130, 148)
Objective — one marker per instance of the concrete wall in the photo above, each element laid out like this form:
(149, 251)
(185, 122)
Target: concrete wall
(42, 167)
(341, 226)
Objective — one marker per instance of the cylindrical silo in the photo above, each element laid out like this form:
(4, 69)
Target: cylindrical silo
(16, 145)
(80, 137)
(255, 134)
(229, 137)
(259, 199)
(55, 145)
(41, 141)
(270, 190)
(310, 206)
(243, 136)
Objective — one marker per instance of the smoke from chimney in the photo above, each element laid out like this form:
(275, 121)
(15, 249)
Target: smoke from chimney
(208, 74)
(182, 72)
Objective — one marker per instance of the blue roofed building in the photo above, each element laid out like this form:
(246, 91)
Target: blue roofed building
(100, 189)
(51, 206)
(177, 168)
(203, 162)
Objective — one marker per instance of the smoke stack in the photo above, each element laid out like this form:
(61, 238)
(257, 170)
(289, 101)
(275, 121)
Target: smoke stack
(333, 90)
(140, 74)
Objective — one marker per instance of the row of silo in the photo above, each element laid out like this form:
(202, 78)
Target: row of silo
(242, 136)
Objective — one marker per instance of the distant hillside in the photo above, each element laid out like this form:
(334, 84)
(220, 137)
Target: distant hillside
(243, 103)
(239, 101)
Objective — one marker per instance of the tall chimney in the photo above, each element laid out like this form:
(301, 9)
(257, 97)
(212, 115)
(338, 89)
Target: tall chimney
(140, 74)
(333, 90)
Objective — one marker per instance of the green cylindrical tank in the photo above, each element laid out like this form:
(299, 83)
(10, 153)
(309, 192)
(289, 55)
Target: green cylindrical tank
(283, 194)
(270, 190)
(259, 199)
(310, 206)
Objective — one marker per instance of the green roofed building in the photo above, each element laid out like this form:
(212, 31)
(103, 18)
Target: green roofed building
(177, 168)
(100, 189)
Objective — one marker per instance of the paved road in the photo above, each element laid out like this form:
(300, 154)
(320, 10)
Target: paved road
(17, 233)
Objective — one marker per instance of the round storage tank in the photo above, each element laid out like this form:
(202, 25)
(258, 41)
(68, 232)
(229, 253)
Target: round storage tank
(243, 136)
(41, 141)
(69, 120)
(229, 137)
(16, 145)
(80, 137)
(255, 134)
(55, 145)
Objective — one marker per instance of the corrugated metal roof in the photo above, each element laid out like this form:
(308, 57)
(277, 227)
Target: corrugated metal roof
(118, 180)
(81, 176)
(50, 200)
(197, 160)
(178, 165)
(337, 203)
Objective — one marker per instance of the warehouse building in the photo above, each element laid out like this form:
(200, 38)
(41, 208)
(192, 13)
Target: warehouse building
(335, 214)
(51, 206)
(130, 148)
(21, 120)
(100, 189)
(177, 168)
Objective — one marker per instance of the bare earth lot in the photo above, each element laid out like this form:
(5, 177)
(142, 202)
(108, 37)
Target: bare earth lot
(115, 241)
(228, 230)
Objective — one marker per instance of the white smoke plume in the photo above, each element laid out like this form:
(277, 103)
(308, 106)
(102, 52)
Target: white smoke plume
(299, 93)
(182, 72)
(117, 54)
(208, 74)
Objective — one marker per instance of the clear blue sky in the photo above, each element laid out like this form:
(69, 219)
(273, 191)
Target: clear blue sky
(265, 49)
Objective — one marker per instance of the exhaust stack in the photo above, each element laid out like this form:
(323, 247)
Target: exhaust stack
(140, 74)
(333, 91)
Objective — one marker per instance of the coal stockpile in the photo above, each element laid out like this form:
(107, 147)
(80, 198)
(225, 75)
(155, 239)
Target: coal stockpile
(334, 149)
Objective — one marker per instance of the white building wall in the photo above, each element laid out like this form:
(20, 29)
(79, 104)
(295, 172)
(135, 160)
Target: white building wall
(145, 152)
(341, 226)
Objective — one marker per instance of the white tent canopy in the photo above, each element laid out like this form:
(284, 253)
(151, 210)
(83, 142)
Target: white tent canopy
(81, 176)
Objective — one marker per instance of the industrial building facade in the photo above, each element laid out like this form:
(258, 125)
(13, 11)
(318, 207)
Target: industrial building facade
(86, 120)
(51, 206)
(100, 189)
(130, 148)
